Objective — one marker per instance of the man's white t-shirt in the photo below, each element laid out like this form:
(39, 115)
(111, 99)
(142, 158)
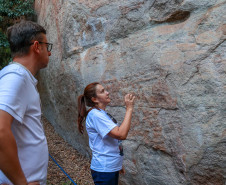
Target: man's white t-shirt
(105, 149)
(20, 98)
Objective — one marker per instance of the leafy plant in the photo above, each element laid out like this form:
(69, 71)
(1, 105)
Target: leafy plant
(12, 11)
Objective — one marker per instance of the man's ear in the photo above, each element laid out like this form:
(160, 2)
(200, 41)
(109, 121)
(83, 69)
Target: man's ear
(36, 47)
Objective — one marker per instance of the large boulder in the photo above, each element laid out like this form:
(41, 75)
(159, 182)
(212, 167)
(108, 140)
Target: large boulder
(170, 54)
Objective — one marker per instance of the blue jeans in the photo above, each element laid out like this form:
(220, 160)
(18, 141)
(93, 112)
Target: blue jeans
(105, 178)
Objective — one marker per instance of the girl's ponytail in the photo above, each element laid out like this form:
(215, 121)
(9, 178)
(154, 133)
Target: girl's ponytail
(81, 112)
(83, 100)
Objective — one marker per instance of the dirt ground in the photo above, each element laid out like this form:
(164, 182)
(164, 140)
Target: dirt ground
(74, 164)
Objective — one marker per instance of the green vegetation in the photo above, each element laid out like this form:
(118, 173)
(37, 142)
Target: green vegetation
(12, 11)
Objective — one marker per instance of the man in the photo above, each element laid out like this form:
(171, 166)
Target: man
(23, 145)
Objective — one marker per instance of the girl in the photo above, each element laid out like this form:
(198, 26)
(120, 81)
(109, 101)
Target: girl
(104, 134)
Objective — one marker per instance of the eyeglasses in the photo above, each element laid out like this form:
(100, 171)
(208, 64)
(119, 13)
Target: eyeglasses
(49, 45)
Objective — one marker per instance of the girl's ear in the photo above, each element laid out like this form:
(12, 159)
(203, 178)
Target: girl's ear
(94, 100)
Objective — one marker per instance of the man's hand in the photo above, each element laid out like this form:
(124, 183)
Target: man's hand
(33, 183)
(30, 183)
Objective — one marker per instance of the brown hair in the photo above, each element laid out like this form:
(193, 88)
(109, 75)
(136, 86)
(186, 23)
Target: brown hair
(83, 100)
(21, 34)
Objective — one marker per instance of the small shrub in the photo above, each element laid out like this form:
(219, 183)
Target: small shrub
(12, 11)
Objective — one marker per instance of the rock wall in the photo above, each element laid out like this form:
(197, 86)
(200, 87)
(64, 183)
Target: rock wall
(171, 54)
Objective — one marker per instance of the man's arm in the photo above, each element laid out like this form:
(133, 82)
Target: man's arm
(9, 161)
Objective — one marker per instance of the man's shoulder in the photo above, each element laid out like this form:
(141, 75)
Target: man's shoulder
(12, 75)
(13, 69)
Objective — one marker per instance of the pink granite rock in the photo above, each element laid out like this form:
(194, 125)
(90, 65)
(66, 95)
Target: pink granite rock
(170, 54)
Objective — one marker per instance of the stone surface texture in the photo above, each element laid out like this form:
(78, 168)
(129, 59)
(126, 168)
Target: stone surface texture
(171, 54)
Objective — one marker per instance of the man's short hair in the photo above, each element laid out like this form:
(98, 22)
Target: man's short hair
(20, 36)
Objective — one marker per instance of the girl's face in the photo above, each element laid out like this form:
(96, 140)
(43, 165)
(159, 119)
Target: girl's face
(102, 96)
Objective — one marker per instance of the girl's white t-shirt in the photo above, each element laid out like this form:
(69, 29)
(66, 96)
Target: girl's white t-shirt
(105, 149)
